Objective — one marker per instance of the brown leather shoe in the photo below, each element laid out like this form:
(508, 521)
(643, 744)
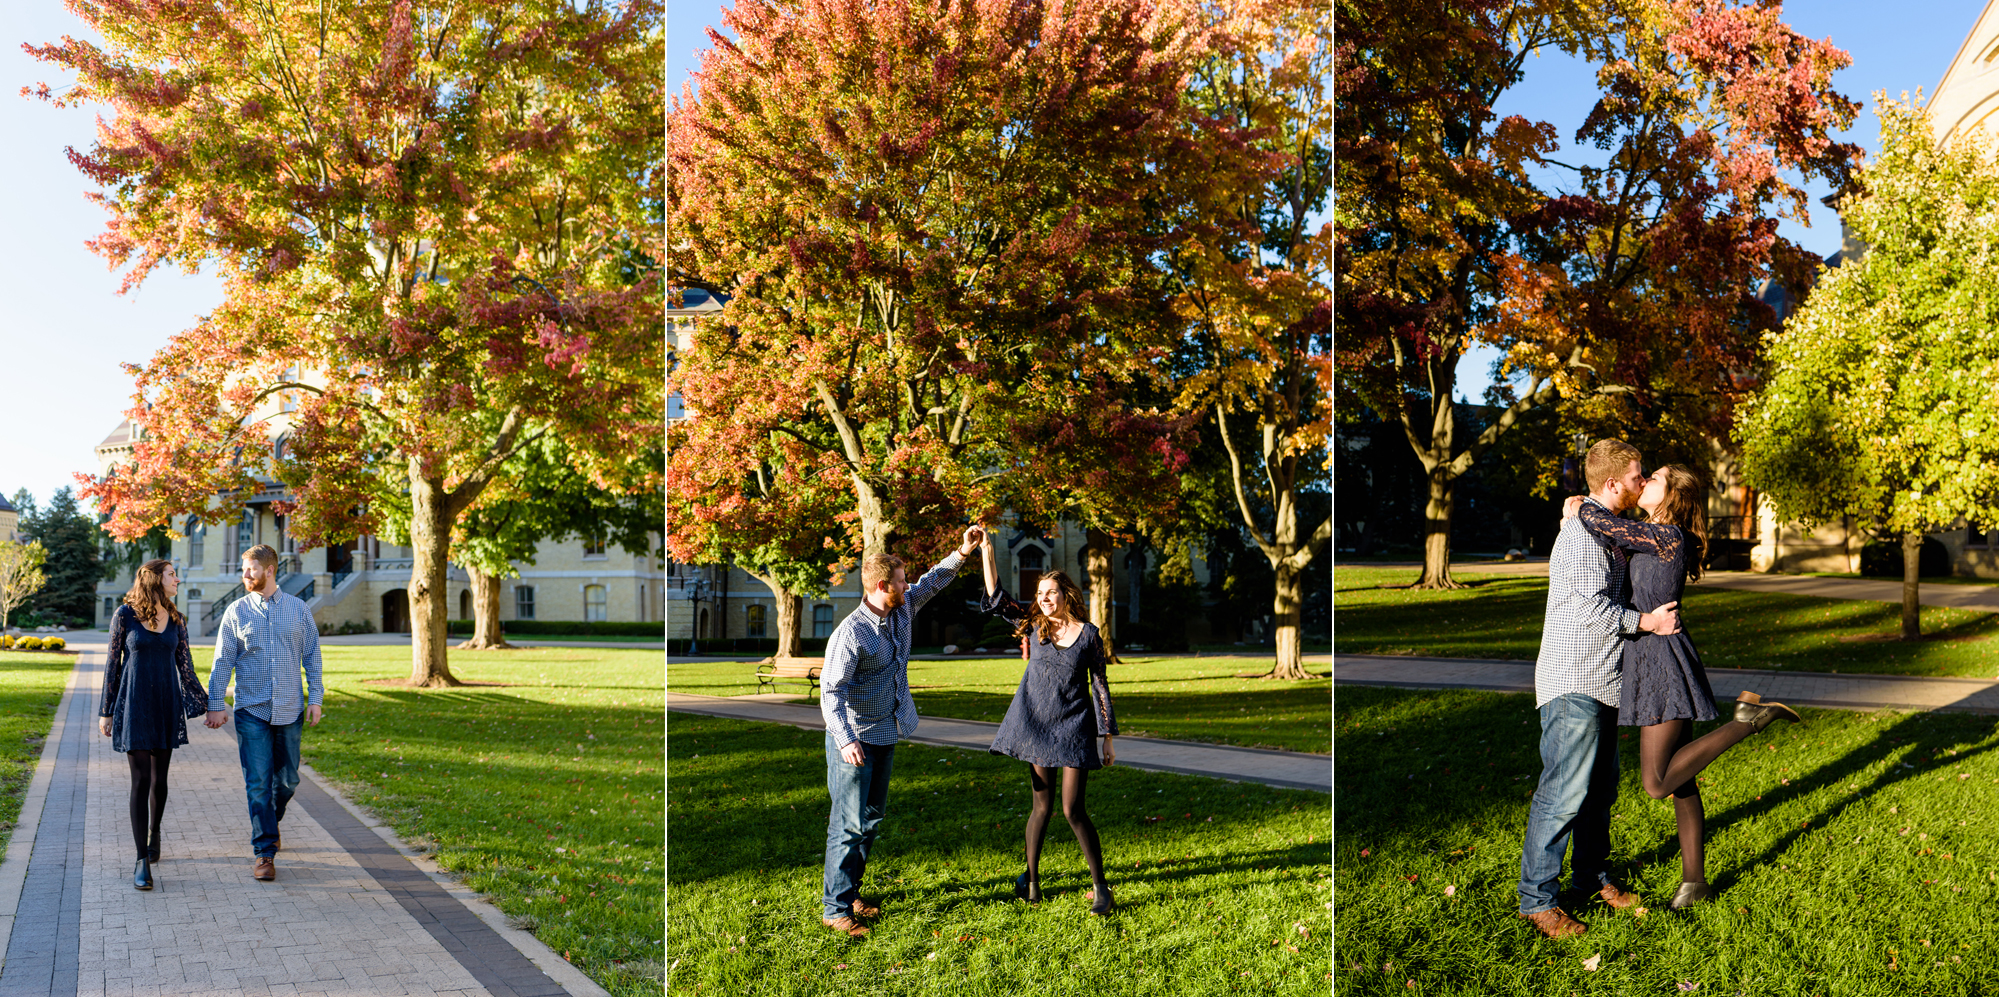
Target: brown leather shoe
(1554, 923)
(1616, 897)
(863, 908)
(1751, 709)
(265, 869)
(854, 929)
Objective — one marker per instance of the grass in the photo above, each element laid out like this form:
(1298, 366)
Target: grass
(1213, 879)
(543, 794)
(1855, 856)
(1185, 699)
(31, 684)
(1501, 617)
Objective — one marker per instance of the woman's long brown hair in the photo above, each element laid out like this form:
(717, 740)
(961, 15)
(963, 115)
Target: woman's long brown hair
(1686, 506)
(149, 593)
(1049, 626)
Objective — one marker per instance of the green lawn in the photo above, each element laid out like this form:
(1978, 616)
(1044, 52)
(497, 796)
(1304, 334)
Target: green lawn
(543, 793)
(1855, 856)
(1214, 880)
(1186, 699)
(31, 684)
(1498, 616)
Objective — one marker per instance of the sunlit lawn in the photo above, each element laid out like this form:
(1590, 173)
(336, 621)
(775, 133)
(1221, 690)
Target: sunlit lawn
(1185, 699)
(31, 684)
(543, 793)
(1498, 616)
(1855, 855)
(1221, 887)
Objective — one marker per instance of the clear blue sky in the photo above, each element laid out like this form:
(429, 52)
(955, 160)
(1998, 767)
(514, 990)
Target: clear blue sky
(67, 329)
(1896, 47)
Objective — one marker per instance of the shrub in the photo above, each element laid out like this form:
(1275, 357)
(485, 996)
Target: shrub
(1884, 559)
(54, 643)
(28, 644)
(6, 641)
(558, 628)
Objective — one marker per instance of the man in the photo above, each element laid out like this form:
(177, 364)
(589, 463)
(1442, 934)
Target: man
(1576, 689)
(266, 640)
(865, 701)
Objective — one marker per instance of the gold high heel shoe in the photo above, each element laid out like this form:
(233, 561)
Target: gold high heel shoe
(1691, 893)
(1751, 709)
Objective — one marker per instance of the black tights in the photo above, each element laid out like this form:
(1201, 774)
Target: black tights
(1670, 758)
(149, 793)
(1042, 781)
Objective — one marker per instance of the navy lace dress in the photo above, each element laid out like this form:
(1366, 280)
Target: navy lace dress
(1053, 721)
(1663, 676)
(143, 680)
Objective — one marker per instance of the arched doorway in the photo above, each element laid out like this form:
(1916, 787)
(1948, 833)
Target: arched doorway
(396, 611)
(465, 604)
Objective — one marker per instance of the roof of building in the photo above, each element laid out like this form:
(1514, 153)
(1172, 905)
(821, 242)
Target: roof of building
(6, 506)
(120, 436)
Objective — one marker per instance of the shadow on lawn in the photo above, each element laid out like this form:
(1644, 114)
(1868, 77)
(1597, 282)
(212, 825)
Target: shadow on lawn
(1374, 804)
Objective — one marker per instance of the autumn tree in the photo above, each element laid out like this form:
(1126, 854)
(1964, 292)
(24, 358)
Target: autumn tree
(1883, 389)
(918, 210)
(1256, 294)
(435, 224)
(1624, 295)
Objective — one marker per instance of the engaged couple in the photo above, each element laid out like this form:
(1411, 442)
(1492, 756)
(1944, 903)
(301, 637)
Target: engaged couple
(1059, 714)
(1604, 664)
(267, 641)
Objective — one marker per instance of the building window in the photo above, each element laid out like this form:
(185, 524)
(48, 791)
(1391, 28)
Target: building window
(246, 533)
(822, 621)
(524, 602)
(110, 606)
(593, 603)
(287, 402)
(1975, 538)
(642, 602)
(593, 546)
(1029, 560)
(753, 625)
(196, 534)
(194, 593)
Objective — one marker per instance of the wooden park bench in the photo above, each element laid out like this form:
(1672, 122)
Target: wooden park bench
(802, 671)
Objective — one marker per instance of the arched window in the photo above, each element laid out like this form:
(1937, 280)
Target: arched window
(196, 534)
(753, 621)
(1029, 560)
(465, 604)
(593, 603)
(822, 621)
(246, 533)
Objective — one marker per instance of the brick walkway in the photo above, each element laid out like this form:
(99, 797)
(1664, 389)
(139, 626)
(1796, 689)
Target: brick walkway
(350, 914)
(1981, 597)
(1846, 692)
(1285, 769)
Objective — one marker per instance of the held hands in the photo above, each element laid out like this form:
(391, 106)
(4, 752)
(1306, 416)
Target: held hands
(975, 535)
(1663, 621)
(214, 719)
(851, 753)
(1571, 505)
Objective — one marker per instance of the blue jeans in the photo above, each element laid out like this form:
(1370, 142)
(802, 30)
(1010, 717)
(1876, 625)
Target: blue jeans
(270, 757)
(1573, 801)
(860, 796)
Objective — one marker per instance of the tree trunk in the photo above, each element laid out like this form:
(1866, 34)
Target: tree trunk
(1913, 545)
(430, 536)
(1437, 531)
(788, 613)
(486, 634)
(1285, 621)
(1097, 565)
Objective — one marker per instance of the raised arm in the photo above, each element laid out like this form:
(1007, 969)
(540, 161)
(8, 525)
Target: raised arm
(1658, 539)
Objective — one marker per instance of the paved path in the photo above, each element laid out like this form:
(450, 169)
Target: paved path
(1285, 769)
(353, 912)
(1952, 595)
(1846, 692)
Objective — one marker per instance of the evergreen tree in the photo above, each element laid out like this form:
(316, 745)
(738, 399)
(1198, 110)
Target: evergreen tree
(72, 567)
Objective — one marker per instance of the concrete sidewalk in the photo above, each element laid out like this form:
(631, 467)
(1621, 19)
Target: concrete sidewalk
(1844, 692)
(1982, 598)
(1285, 769)
(353, 912)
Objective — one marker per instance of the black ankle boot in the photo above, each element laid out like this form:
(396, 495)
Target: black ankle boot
(1102, 903)
(153, 849)
(1032, 894)
(142, 876)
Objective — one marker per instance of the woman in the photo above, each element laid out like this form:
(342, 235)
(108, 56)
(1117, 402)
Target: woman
(1052, 723)
(1665, 689)
(147, 692)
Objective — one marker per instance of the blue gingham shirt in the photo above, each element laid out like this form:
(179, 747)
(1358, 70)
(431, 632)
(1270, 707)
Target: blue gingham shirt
(864, 685)
(266, 644)
(1586, 618)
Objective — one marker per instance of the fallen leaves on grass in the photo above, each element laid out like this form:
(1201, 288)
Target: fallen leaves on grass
(1591, 963)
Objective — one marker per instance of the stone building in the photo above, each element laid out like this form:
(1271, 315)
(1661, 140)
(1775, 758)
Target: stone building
(10, 520)
(363, 584)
